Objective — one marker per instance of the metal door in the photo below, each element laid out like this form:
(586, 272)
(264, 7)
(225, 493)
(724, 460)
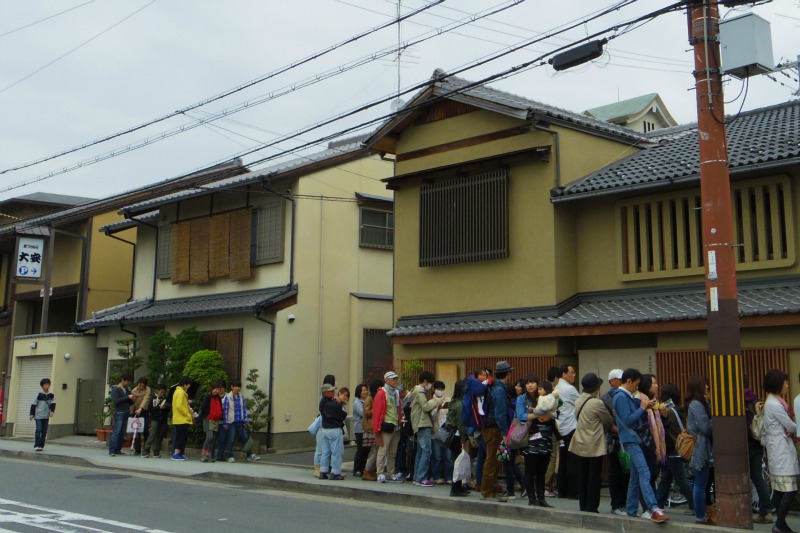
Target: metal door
(31, 372)
(90, 402)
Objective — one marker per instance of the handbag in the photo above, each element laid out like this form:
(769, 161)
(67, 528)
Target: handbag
(517, 437)
(462, 467)
(315, 425)
(503, 453)
(624, 460)
(684, 444)
(445, 436)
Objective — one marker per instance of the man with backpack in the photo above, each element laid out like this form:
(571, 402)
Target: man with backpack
(497, 423)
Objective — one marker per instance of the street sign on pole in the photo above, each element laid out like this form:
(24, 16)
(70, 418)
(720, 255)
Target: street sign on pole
(30, 257)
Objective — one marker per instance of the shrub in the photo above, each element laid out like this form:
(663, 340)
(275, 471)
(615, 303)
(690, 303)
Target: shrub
(256, 402)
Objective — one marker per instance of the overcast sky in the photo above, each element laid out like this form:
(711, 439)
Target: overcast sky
(106, 66)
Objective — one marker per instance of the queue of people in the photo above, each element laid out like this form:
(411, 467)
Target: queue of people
(639, 427)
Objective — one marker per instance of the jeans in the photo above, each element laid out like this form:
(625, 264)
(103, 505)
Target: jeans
(330, 460)
(589, 471)
(120, 427)
(756, 453)
(512, 472)
(675, 471)
(492, 466)
(699, 492)
(317, 448)
(237, 428)
(639, 480)
(422, 461)
(567, 469)
(41, 432)
(442, 461)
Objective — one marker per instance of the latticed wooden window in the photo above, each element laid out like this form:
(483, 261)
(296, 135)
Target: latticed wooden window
(464, 219)
(228, 342)
(268, 232)
(377, 354)
(164, 252)
(377, 229)
(662, 235)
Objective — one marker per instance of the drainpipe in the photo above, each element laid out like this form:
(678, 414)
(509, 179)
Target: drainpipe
(271, 374)
(554, 133)
(131, 333)
(155, 263)
(291, 234)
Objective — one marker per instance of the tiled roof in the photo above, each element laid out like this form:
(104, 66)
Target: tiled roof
(622, 109)
(59, 200)
(208, 305)
(335, 150)
(756, 139)
(687, 302)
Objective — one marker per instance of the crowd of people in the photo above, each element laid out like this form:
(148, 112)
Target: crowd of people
(642, 430)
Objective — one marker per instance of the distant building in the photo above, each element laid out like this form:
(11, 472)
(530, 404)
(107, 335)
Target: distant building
(643, 113)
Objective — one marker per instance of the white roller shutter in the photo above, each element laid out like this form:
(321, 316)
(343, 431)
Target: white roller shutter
(31, 371)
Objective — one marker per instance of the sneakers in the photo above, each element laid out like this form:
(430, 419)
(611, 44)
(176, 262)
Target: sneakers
(253, 457)
(397, 478)
(440, 482)
(157, 456)
(765, 519)
(178, 457)
(646, 515)
(145, 455)
(550, 493)
(231, 460)
(204, 459)
(323, 475)
(424, 483)
(497, 497)
(381, 478)
(38, 448)
(619, 512)
(658, 516)
(335, 477)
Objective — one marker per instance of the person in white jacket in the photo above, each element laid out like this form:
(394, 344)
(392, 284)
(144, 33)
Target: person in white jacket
(779, 428)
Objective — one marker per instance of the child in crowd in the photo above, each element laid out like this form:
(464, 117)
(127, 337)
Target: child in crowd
(42, 409)
(210, 414)
(549, 402)
(234, 420)
(159, 412)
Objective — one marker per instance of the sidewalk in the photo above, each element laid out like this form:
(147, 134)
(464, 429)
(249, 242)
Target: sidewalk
(293, 472)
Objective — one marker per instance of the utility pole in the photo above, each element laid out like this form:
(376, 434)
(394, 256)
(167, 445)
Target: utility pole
(731, 469)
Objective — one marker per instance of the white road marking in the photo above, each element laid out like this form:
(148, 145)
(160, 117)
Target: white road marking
(62, 521)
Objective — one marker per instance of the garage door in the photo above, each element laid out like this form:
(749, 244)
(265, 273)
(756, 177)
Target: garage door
(31, 371)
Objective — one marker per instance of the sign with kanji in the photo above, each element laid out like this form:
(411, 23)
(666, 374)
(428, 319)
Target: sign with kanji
(30, 256)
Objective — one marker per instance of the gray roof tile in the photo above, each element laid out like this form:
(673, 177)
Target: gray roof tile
(763, 137)
(213, 304)
(637, 306)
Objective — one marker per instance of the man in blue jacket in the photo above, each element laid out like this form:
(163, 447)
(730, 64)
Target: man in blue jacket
(496, 427)
(631, 414)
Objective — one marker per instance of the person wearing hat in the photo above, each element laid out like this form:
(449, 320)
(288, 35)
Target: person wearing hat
(617, 477)
(497, 425)
(386, 418)
(333, 417)
(589, 443)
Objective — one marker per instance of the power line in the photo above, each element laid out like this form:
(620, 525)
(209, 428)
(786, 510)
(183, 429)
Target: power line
(45, 19)
(277, 93)
(224, 94)
(84, 43)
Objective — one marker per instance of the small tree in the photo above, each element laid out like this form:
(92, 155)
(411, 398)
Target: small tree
(409, 375)
(257, 403)
(205, 367)
(169, 354)
(129, 360)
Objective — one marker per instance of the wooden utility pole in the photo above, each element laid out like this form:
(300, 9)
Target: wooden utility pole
(731, 469)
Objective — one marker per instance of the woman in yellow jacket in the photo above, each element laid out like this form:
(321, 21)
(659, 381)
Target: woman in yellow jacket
(181, 417)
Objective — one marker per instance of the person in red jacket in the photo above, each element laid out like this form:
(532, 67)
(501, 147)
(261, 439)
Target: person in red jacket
(386, 417)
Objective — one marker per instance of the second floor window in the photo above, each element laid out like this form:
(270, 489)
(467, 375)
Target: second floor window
(464, 219)
(377, 228)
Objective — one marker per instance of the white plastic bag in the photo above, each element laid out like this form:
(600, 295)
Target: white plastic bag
(462, 468)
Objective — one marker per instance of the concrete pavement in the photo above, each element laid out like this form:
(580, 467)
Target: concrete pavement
(293, 472)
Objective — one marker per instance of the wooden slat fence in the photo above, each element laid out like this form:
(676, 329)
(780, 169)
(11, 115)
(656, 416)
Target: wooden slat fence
(537, 365)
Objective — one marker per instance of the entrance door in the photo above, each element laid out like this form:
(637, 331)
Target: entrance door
(31, 372)
(90, 402)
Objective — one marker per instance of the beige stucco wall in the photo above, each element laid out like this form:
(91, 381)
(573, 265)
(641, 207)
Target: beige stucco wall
(110, 266)
(364, 314)
(85, 362)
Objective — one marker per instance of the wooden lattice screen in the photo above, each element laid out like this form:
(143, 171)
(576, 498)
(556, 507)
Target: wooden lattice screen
(523, 366)
(676, 366)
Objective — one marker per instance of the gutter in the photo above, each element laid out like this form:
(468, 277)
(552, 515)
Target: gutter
(556, 141)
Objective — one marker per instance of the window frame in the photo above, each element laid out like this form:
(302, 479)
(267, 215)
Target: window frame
(387, 229)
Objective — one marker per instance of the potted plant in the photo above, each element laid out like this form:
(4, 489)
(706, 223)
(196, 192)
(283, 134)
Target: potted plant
(104, 418)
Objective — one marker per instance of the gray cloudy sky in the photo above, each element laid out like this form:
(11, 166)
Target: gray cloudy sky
(106, 66)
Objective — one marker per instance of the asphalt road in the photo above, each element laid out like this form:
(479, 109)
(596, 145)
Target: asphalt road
(37, 496)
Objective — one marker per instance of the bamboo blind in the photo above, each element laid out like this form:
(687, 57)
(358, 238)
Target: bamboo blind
(241, 225)
(677, 366)
(198, 250)
(180, 252)
(218, 246)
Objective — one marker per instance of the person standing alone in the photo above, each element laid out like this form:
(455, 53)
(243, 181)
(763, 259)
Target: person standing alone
(42, 410)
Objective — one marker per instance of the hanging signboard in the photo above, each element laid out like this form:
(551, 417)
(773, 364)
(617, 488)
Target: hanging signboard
(30, 257)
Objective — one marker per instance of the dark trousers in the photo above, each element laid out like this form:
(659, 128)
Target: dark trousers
(756, 454)
(567, 470)
(535, 471)
(360, 459)
(782, 502)
(158, 432)
(589, 470)
(41, 432)
(617, 482)
(512, 472)
(181, 436)
(492, 466)
(674, 470)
